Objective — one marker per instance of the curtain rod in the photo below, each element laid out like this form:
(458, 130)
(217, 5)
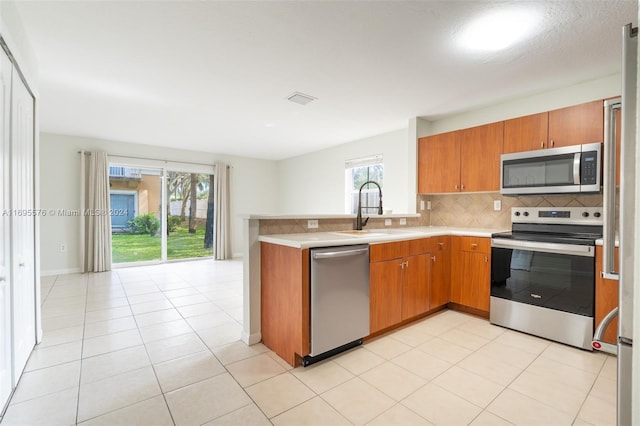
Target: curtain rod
(156, 159)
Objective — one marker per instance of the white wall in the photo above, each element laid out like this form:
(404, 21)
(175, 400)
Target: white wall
(314, 183)
(18, 42)
(253, 190)
(603, 88)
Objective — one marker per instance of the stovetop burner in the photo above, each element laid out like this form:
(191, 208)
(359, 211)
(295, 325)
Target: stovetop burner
(568, 225)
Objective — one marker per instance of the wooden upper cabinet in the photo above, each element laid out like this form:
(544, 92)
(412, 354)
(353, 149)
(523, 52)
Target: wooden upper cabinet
(526, 133)
(461, 161)
(439, 163)
(574, 125)
(577, 124)
(480, 150)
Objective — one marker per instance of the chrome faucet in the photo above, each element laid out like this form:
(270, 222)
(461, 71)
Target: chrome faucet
(359, 222)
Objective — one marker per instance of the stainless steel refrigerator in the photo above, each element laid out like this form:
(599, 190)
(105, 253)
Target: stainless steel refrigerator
(625, 226)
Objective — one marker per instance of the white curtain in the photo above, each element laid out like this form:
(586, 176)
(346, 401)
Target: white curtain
(95, 220)
(221, 226)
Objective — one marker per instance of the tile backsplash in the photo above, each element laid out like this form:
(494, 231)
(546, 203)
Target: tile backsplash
(475, 210)
(294, 226)
(468, 210)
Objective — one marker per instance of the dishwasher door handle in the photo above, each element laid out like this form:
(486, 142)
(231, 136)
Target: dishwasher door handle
(340, 253)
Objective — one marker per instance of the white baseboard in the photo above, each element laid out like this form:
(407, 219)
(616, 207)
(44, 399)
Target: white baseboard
(51, 272)
(251, 339)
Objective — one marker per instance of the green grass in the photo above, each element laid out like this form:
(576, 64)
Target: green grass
(139, 248)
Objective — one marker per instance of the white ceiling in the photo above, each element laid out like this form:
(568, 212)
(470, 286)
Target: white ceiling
(214, 76)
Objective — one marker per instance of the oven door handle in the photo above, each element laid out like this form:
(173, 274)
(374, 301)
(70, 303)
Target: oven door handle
(571, 249)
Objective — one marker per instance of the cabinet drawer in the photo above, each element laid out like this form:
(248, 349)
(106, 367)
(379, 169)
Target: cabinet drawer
(479, 244)
(439, 244)
(388, 251)
(419, 246)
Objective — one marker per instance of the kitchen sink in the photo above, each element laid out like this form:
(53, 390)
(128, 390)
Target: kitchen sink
(360, 233)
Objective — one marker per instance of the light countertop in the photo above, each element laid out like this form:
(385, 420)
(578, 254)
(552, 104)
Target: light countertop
(371, 236)
(326, 216)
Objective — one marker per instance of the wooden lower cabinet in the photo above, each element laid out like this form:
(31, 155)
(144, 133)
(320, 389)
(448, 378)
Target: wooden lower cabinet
(471, 272)
(385, 294)
(284, 282)
(606, 298)
(415, 290)
(398, 283)
(440, 283)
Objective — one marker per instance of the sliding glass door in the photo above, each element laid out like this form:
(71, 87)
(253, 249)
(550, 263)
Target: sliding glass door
(136, 197)
(159, 215)
(189, 215)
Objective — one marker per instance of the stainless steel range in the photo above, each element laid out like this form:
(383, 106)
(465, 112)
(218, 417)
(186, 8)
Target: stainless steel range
(543, 273)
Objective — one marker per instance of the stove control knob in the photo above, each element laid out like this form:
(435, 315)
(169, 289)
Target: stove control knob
(526, 213)
(517, 213)
(585, 214)
(597, 214)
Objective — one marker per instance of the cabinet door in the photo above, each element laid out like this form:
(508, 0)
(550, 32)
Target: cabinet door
(440, 284)
(480, 150)
(577, 124)
(526, 133)
(439, 163)
(475, 282)
(606, 299)
(385, 292)
(415, 294)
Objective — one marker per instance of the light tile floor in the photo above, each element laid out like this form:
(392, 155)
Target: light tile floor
(160, 345)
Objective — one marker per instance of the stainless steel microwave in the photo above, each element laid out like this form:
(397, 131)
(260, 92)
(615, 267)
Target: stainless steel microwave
(564, 170)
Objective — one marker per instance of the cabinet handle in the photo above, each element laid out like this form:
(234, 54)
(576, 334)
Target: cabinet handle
(456, 186)
(474, 246)
(406, 263)
(4, 279)
(486, 259)
(552, 143)
(462, 187)
(21, 264)
(433, 258)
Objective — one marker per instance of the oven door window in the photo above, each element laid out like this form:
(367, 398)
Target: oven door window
(555, 281)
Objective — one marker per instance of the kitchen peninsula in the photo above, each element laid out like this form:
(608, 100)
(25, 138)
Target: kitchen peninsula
(450, 266)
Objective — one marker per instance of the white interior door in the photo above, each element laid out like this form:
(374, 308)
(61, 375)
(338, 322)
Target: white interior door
(22, 224)
(6, 380)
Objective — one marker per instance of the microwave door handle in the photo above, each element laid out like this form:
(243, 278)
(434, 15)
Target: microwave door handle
(576, 168)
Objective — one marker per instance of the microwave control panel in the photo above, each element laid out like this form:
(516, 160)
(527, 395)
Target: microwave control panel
(589, 168)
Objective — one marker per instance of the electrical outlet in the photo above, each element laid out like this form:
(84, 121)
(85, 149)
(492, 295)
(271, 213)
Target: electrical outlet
(387, 222)
(403, 221)
(421, 204)
(63, 247)
(312, 224)
(497, 205)
(428, 205)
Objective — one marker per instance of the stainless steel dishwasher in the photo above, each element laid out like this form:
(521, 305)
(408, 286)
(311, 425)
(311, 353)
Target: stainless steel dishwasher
(339, 299)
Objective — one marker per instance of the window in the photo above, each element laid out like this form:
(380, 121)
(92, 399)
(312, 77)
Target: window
(357, 172)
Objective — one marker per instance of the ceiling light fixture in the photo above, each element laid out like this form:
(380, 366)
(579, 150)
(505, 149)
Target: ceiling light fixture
(498, 30)
(300, 98)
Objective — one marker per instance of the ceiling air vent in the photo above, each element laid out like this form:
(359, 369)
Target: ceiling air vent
(300, 98)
